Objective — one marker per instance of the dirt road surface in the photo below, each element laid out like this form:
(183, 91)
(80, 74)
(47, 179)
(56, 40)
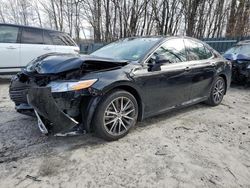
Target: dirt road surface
(199, 146)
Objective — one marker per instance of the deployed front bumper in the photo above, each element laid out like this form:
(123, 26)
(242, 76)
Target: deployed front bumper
(50, 116)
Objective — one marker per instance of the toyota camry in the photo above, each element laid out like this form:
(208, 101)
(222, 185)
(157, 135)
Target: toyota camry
(129, 80)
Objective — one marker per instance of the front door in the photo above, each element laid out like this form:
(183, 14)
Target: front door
(9, 48)
(164, 79)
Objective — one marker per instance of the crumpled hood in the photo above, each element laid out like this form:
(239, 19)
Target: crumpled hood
(58, 63)
(235, 57)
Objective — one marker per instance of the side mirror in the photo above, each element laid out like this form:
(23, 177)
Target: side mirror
(156, 62)
(161, 59)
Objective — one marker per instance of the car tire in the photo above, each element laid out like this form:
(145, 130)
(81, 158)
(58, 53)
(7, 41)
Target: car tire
(116, 114)
(217, 92)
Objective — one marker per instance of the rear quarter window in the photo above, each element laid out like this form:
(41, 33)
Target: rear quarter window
(196, 50)
(208, 53)
(47, 38)
(8, 34)
(61, 39)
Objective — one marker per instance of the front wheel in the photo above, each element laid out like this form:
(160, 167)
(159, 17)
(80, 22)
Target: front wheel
(217, 92)
(116, 114)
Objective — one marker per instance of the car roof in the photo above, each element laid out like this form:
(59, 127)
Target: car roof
(161, 38)
(25, 26)
(147, 36)
(156, 37)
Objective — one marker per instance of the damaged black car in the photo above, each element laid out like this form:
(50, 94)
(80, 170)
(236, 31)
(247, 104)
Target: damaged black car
(239, 55)
(129, 80)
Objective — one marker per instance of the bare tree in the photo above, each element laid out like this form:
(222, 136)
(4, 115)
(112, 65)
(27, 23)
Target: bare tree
(109, 20)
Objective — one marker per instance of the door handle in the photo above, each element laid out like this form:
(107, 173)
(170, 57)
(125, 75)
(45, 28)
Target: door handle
(11, 47)
(187, 69)
(47, 48)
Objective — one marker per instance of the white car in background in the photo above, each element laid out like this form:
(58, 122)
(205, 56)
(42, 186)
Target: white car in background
(21, 44)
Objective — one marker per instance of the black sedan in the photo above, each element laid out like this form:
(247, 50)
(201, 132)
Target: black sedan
(126, 81)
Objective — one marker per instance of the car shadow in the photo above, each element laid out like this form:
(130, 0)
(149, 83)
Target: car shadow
(4, 80)
(90, 139)
(171, 114)
(25, 140)
(20, 136)
(240, 86)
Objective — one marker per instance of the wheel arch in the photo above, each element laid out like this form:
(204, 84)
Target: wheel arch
(93, 104)
(225, 79)
(134, 92)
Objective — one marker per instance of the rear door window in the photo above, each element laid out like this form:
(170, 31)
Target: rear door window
(196, 50)
(8, 34)
(32, 36)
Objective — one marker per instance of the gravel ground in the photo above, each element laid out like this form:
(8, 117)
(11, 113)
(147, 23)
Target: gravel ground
(199, 146)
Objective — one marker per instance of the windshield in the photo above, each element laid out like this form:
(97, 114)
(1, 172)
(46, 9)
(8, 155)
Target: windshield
(239, 49)
(131, 49)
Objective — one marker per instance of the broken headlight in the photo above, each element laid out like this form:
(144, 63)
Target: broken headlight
(70, 86)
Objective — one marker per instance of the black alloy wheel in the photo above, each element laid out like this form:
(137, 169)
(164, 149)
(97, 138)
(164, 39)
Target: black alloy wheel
(116, 114)
(217, 92)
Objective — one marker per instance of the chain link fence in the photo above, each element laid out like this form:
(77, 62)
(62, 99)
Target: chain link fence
(222, 44)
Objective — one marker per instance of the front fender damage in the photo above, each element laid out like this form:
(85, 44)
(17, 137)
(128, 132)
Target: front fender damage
(60, 124)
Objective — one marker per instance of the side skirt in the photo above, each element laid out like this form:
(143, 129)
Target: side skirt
(176, 107)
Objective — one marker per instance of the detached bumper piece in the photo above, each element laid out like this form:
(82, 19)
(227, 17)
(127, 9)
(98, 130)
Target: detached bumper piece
(50, 118)
(41, 125)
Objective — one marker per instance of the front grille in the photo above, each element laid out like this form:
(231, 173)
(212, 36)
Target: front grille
(18, 91)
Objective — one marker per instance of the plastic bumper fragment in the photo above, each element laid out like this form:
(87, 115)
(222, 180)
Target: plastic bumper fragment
(42, 101)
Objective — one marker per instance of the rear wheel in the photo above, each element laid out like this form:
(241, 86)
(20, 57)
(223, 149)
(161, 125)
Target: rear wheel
(217, 92)
(115, 116)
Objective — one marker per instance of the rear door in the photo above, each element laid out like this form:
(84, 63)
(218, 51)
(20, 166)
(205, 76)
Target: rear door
(9, 49)
(48, 46)
(34, 43)
(201, 67)
(64, 43)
